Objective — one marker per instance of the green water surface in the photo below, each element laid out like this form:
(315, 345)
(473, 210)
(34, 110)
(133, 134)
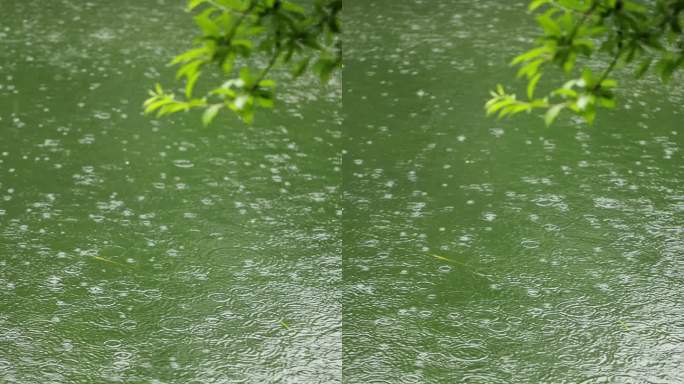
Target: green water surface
(380, 229)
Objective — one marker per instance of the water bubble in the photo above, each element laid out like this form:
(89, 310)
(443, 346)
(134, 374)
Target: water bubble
(102, 115)
(530, 244)
(470, 353)
(128, 324)
(176, 324)
(604, 202)
(181, 163)
(112, 343)
(384, 321)
(489, 216)
(219, 297)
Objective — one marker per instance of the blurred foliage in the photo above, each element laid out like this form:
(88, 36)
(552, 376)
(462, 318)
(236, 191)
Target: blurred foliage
(640, 35)
(244, 40)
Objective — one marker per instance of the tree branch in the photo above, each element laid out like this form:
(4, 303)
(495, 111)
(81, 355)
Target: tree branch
(269, 66)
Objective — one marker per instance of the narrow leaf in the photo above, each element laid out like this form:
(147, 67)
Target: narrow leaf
(552, 113)
(532, 84)
(210, 113)
(190, 84)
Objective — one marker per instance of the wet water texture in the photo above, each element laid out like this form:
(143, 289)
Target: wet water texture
(135, 250)
(484, 251)
(456, 248)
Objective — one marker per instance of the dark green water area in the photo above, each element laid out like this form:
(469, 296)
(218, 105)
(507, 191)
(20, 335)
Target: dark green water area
(379, 229)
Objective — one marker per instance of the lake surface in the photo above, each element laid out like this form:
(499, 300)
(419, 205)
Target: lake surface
(136, 250)
(562, 247)
(456, 248)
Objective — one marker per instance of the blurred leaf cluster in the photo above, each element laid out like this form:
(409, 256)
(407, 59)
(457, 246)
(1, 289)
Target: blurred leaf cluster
(642, 36)
(243, 40)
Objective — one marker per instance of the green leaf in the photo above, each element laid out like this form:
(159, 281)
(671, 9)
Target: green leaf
(567, 22)
(633, 7)
(549, 25)
(536, 4)
(224, 92)
(565, 93)
(569, 63)
(190, 84)
(241, 102)
(532, 84)
(552, 113)
(245, 75)
(247, 116)
(151, 107)
(666, 67)
(583, 102)
(292, 7)
(588, 77)
(267, 83)
(324, 68)
(210, 113)
(188, 69)
(499, 104)
(540, 103)
(299, 68)
(265, 102)
(248, 44)
(589, 114)
(576, 5)
(609, 83)
(531, 54)
(192, 4)
(238, 5)
(607, 102)
(189, 55)
(530, 69)
(208, 26)
(643, 67)
(596, 30)
(586, 43)
(250, 30)
(523, 107)
(228, 61)
(172, 108)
